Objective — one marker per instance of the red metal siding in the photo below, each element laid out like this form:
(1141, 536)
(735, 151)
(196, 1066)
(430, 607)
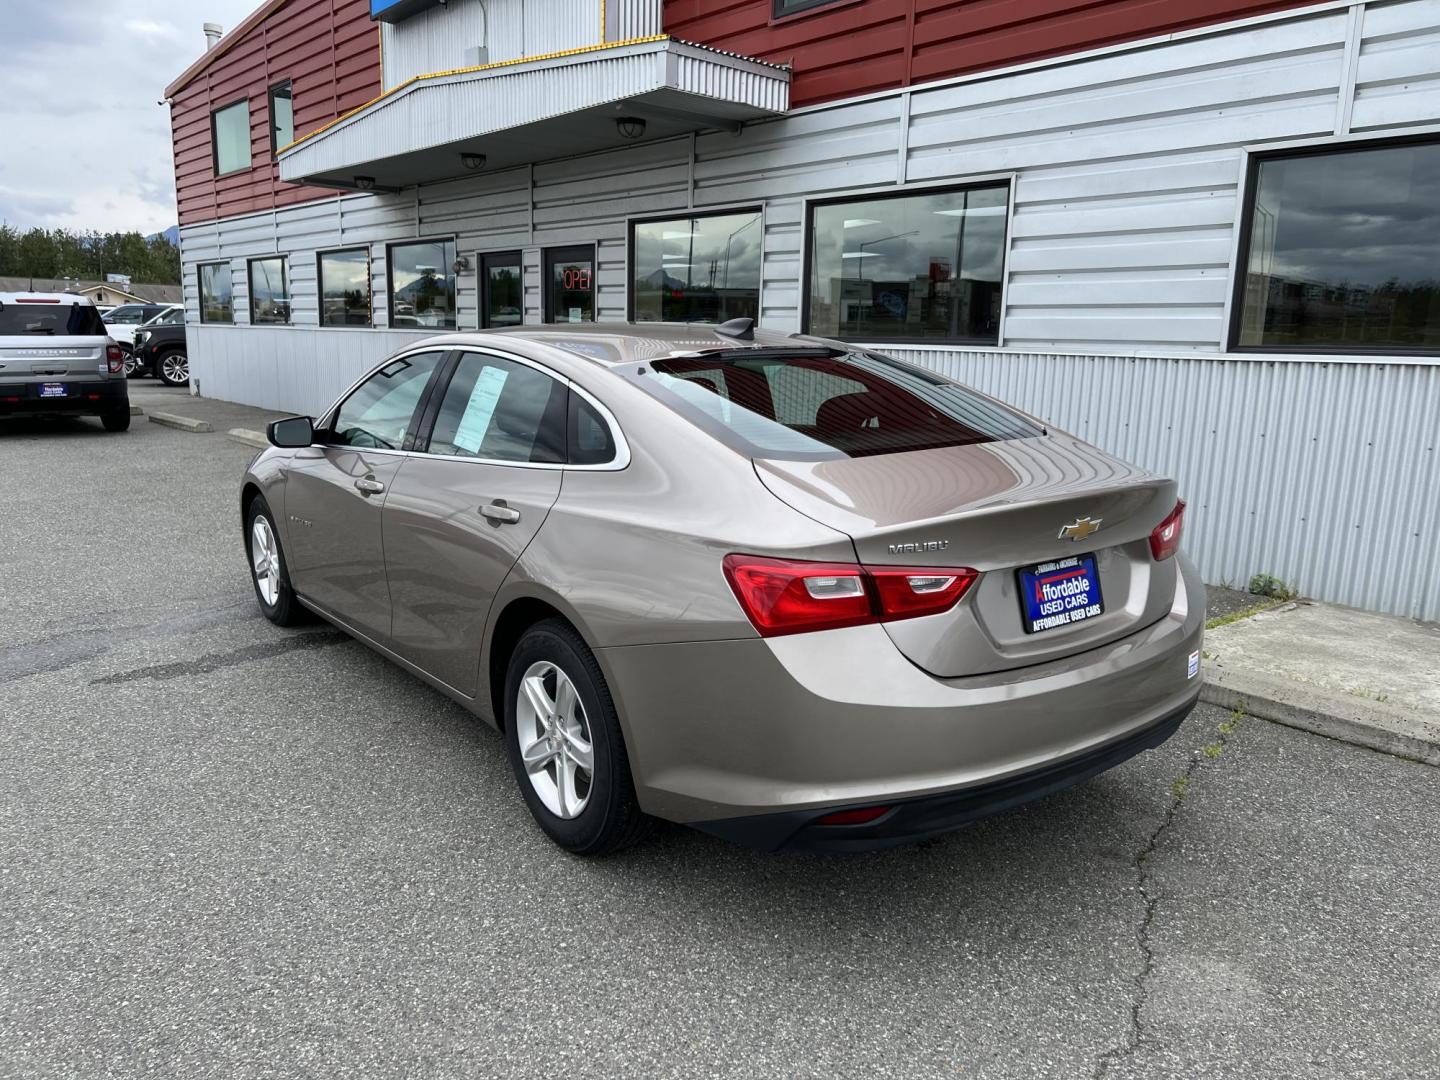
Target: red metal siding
(855, 47)
(330, 52)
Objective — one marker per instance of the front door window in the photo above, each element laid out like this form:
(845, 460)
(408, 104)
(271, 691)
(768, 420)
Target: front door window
(378, 413)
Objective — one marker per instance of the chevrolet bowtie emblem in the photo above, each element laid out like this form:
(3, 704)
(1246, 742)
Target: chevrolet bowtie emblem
(1080, 528)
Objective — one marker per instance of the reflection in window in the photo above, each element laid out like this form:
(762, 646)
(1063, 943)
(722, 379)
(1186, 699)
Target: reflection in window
(700, 269)
(379, 412)
(570, 285)
(501, 290)
(422, 284)
(230, 133)
(1344, 251)
(345, 288)
(216, 294)
(269, 297)
(909, 267)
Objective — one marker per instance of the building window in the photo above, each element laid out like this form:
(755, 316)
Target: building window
(282, 117)
(422, 284)
(1341, 251)
(917, 267)
(696, 269)
(216, 293)
(230, 135)
(269, 297)
(344, 287)
(502, 285)
(570, 284)
(790, 7)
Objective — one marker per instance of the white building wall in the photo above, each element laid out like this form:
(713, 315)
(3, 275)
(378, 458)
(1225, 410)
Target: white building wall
(1126, 167)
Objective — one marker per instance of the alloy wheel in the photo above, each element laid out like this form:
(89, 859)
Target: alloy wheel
(175, 369)
(555, 741)
(265, 560)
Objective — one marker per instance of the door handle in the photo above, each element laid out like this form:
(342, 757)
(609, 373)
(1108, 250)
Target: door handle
(369, 486)
(499, 513)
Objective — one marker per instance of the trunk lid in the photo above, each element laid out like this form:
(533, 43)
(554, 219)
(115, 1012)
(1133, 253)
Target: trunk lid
(995, 507)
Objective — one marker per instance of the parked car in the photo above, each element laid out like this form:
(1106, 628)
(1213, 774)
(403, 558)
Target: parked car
(788, 591)
(160, 350)
(57, 360)
(123, 321)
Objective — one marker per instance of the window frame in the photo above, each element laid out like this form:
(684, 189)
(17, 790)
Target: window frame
(390, 281)
(200, 292)
(548, 257)
(215, 138)
(687, 215)
(800, 7)
(1239, 272)
(369, 287)
(283, 84)
(943, 187)
(482, 282)
(284, 285)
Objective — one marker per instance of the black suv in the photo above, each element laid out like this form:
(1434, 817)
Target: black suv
(160, 351)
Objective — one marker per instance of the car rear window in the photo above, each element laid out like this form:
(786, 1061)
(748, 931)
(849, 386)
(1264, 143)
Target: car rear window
(817, 405)
(51, 320)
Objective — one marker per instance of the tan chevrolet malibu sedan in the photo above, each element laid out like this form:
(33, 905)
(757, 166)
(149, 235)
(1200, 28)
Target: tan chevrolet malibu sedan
(785, 590)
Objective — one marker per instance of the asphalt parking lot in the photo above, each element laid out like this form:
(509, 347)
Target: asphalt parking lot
(232, 850)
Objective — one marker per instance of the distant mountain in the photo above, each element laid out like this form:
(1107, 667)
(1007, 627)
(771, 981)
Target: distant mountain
(172, 234)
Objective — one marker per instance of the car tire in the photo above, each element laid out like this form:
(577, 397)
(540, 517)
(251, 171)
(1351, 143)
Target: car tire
(116, 421)
(173, 368)
(586, 812)
(273, 593)
(133, 368)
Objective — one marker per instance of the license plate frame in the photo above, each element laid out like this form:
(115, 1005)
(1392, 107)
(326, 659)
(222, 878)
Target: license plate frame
(54, 390)
(1048, 600)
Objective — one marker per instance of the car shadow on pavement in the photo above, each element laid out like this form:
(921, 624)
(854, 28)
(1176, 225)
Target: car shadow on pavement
(52, 426)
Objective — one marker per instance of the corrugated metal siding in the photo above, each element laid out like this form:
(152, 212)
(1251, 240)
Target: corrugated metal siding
(629, 19)
(1325, 475)
(437, 39)
(327, 48)
(881, 44)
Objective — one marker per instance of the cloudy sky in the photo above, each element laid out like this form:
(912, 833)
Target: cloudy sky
(83, 144)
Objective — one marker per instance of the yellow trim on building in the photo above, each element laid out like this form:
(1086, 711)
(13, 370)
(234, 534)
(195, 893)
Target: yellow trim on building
(650, 40)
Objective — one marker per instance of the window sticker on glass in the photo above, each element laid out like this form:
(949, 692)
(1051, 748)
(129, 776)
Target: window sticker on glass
(479, 409)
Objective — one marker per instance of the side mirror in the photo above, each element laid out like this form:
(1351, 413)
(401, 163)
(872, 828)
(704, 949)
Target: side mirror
(291, 433)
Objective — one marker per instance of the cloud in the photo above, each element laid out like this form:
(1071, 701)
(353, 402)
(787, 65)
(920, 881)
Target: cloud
(86, 144)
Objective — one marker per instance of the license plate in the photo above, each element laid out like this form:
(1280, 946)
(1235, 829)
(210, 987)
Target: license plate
(1059, 593)
(53, 389)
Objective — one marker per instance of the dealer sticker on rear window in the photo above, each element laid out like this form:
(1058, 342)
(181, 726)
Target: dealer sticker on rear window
(1059, 593)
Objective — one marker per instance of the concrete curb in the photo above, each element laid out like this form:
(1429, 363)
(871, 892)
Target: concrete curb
(136, 410)
(1358, 722)
(248, 437)
(183, 423)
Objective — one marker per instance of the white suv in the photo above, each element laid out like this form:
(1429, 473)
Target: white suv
(57, 360)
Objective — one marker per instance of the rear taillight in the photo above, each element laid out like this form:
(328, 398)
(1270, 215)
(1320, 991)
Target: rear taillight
(1165, 540)
(114, 359)
(863, 816)
(790, 596)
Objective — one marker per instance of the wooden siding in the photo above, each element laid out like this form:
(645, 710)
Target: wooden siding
(855, 47)
(328, 49)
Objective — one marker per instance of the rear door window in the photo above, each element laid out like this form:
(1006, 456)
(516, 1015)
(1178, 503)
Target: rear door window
(50, 320)
(498, 410)
(791, 403)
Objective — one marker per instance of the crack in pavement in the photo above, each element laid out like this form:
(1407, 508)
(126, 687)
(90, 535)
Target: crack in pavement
(215, 661)
(1178, 789)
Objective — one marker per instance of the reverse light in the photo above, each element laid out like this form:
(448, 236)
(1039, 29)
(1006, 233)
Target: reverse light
(792, 596)
(1165, 540)
(114, 359)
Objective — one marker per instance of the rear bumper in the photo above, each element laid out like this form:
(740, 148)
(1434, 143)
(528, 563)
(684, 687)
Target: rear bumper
(794, 727)
(917, 819)
(94, 398)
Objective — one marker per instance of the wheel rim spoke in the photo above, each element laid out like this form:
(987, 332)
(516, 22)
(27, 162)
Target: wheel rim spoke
(580, 752)
(537, 755)
(534, 689)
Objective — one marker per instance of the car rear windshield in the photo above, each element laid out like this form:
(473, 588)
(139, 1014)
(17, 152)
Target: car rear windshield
(51, 320)
(817, 405)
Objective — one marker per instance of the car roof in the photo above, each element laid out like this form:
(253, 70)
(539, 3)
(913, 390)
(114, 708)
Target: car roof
(46, 297)
(613, 344)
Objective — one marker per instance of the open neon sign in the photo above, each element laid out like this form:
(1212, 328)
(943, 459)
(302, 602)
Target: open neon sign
(576, 277)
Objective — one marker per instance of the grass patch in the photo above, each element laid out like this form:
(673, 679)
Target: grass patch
(1243, 613)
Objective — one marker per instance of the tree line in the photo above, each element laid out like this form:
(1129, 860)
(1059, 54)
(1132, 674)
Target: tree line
(60, 253)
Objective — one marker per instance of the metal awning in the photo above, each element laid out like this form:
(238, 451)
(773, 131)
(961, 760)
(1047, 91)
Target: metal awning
(535, 110)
